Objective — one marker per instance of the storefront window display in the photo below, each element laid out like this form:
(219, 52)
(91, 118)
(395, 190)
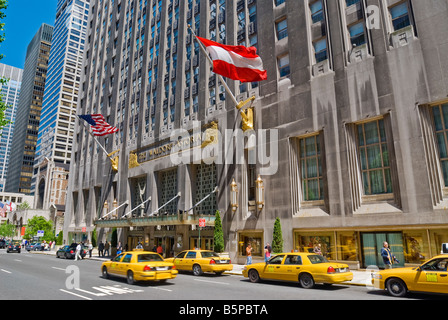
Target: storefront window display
(322, 243)
(415, 246)
(438, 236)
(347, 246)
(255, 239)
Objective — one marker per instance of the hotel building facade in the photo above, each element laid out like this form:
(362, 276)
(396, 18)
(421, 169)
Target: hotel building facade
(354, 113)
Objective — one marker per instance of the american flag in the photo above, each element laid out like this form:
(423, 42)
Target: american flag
(99, 126)
(2, 210)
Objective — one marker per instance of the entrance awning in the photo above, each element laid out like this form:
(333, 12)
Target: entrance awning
(171, 219)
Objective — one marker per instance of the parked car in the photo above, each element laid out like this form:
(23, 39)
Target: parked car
(35, 246)
(200, 261)
(14, 246)
(305, 268)
(431, 277)
(69, 251)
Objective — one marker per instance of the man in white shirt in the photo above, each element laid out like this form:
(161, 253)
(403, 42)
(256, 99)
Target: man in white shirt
(78, 251)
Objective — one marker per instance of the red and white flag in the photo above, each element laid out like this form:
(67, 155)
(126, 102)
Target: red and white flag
(99, 126)
(235, 62)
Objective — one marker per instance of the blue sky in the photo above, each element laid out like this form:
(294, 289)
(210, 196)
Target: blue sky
(23, 19)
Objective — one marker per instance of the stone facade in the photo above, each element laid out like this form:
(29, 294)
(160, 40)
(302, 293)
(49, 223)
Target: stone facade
(360, 147)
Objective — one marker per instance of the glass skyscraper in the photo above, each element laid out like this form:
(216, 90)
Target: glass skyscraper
(61, 90)
(10, 95)
(20, 170)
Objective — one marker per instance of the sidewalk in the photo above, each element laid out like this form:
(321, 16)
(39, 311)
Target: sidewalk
(360, 277)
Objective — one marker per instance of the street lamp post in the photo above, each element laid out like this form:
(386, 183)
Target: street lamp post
(259, 184)
(234, 195)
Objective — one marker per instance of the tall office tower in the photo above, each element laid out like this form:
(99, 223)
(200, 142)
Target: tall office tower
(354, 111)
(10, 96)
(20, 171)
(55, 137)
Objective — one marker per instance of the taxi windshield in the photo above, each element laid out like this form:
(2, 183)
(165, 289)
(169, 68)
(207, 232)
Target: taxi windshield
(209, 254)
(314, 259)
(149, 257)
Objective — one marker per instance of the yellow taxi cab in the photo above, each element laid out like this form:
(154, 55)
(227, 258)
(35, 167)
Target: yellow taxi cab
(200, 261)
(139, 265)
(431, 276)
(306, 268)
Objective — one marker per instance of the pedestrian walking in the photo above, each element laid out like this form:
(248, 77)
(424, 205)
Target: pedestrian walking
(317, 249)
(101, 249)
(160, 250)
(249, 254)
(388, 258)
(106, 248)
(90, 249)
(267, 252)
(119, 248)
(78, 252)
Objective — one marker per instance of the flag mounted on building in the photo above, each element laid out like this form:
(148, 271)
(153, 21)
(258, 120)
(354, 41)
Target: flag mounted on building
(2, 210)
(235, 62)
(99, 125)
(10, 206)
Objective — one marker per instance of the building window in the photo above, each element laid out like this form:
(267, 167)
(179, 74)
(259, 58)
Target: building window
(311, 168)
(320, 50)
(400, 16)
(282, 29)
(279, 2)
(357, 34)
(255, 238)
(351, 2)
(374, 158)
(317, 11)
(283, 66)
(440, 114)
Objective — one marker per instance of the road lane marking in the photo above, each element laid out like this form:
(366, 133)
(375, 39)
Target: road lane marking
(157, 288)
(58, 268)
(17, 260)
(5, 271)
(75, 294)
(216, 282)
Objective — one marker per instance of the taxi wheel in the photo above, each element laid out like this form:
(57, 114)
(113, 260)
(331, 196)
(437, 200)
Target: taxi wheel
(396, 287)
(306, 281)
(105, 273)
(130, 277)
(197, 271)
(254, 276)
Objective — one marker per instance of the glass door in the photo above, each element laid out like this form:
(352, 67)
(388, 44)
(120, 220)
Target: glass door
(372, 244)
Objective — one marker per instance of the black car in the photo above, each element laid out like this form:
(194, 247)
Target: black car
(2, 244)
(14, 246)
(68, 252)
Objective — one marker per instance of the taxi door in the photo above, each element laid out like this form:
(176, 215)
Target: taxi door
(115, 265)
(189, 259)
(123, 266)
(179, 260)
(433, 276)
(292, 265)
(274, 269)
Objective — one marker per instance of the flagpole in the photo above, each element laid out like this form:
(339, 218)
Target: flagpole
(211, 62)
(94, 138)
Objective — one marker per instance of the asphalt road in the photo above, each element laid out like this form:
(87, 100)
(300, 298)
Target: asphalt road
(29, 276)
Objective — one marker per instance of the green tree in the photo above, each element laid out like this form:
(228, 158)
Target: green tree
(94, 237)
(3, 106)
(277, 238)
(218, 236)
(39, 223)
(7, 230)
(59, 238)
